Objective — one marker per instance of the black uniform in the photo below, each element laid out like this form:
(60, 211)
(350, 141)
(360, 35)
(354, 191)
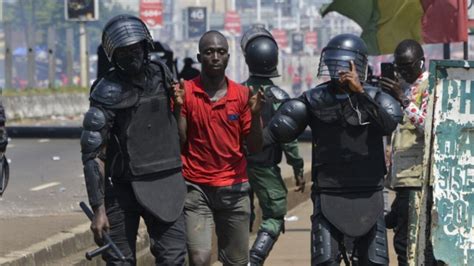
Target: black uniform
(3, 132)
(130, 151)
(348, 159)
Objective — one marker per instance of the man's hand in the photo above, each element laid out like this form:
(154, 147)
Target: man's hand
(351, 78)
(393, 88)
(99, 224)
(256, 101)
(300, 182)
(178, 92)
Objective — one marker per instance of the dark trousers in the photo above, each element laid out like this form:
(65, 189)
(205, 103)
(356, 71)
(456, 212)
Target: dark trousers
(167, 240)
(397, 219)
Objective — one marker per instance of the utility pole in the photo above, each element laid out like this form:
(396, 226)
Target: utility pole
(84, 55)
(259, 10)
(51, 56)
(298, 16)
(8, 56)
(69, 55)
(279, 15)
(233, 50)
(311, 32)
(31, 56)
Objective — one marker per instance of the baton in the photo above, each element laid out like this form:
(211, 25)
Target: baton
(105, 236)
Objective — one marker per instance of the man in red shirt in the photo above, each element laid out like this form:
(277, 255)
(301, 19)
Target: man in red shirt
(217, 117)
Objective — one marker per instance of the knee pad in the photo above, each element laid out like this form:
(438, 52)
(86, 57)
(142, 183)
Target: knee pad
(261, 247)
(320, 240)
(378, 245)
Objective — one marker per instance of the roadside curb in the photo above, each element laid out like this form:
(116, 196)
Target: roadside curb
(62, 132)
(53, 248)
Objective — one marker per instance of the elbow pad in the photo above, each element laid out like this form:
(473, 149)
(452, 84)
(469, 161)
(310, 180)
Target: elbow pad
(390, 105)
(276, 94)
(289, 122)
(91, 142)
(94, 183)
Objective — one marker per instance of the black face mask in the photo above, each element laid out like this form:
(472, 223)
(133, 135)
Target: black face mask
(338, 87)
(130, 61)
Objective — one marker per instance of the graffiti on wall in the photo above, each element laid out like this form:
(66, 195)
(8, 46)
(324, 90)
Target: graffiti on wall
(453, 172)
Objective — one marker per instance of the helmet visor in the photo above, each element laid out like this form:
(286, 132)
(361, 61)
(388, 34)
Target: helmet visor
(334, 61)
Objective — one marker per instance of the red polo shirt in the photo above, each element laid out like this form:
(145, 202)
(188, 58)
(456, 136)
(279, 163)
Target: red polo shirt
(214, 153)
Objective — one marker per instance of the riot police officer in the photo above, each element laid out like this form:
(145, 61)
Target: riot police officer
(261, 55)
(348, 121)
(130, 149)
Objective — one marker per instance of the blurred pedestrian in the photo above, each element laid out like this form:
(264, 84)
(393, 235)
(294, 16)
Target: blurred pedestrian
(296, 83)
(309, 80)
(4, 168)
(188, 72)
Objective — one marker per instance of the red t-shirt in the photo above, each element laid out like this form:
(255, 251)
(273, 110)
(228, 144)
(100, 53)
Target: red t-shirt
(214, 152)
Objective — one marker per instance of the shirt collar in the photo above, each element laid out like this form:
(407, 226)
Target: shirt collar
(231, 94)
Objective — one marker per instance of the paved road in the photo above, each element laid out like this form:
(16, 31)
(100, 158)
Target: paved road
(45, 178)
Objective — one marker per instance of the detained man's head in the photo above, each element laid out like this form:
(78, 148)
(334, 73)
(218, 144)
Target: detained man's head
(213, 54)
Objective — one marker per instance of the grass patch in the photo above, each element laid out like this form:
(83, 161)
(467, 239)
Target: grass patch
(43, 91)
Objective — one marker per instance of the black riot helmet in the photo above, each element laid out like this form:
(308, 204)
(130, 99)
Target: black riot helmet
(124, 30)
(338, 53)
(261, 52)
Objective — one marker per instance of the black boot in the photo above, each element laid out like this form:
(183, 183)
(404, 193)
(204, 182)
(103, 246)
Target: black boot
(261, 248)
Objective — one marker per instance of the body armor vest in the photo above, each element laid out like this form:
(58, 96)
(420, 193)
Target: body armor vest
(346, 155)
(139, 129)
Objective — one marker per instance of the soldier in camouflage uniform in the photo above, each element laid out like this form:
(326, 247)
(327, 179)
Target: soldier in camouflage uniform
(261, 55)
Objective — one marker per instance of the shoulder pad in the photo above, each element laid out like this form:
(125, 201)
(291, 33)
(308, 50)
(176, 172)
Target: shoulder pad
(113, 95)
(278, 94)
(107, 92)
(372, 91)
(389, 104)
(290, 121)
(319, 97)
